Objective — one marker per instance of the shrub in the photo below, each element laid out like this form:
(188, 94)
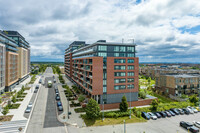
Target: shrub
(92, 109)
(124, 104)
(5, 110)
(81, 98)
(142, 94)
(194, 99)
(138, 114)
(14, 99)
(154, 104)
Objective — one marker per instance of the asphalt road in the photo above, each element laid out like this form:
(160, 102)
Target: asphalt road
(44, 119)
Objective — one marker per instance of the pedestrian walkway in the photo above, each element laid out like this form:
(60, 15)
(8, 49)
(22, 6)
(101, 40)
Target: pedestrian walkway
(74, 118)
(12, 126)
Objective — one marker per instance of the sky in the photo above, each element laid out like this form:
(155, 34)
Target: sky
(164, 30)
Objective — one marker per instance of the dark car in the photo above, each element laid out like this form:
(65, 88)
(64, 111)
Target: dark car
(194, 129)
(157, 114)
(59, 103)
(175, 111)
(54, 80)
(168, 114)
(60, 108)
(163, 114)
(145, 115)
(172, 113)
(40, 81)
(186, 111)
(37, 87)
(57, 98)
(185, 125)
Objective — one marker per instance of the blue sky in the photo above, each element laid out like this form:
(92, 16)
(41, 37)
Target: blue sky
(164, 30)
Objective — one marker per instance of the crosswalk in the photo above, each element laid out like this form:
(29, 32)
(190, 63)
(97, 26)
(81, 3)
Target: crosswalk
(12, 126)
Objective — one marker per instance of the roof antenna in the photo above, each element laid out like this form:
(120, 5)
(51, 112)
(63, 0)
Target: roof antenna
(122, 40)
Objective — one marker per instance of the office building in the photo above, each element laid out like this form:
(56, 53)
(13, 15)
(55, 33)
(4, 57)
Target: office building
(103, 70)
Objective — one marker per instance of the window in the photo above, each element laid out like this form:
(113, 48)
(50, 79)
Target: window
(116, 48)
(122, 49)
(130, 49)
(119, 67)
(119, 61)
(130, 67)
(130, 55)
(104, 75)
(104, 82)
(130, 79)
(104, 89)
(116, 54)
(119, 74)
(119, 87)
(130, 60)
(102, 54)
(102, 48)
(119, 80)
(130, 86)
(130, 73)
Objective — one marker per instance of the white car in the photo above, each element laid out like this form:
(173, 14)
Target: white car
(152, 116)
(190, 110)
(28, 110)
(196, 123)
(30, 105)
(194, 109)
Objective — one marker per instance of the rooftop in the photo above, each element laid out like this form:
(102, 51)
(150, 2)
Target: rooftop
(182, 75)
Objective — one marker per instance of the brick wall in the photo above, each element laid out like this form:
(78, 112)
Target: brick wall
(133, 104)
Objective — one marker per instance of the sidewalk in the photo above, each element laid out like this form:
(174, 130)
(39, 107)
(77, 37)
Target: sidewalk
(19, 113)
(74, 118)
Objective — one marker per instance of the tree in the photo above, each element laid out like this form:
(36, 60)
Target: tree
(193, 99)
(5, 110)
(124, 104)
(81, 98)
(14, 99)
(92, 109)
(154, 104)
(142, 94)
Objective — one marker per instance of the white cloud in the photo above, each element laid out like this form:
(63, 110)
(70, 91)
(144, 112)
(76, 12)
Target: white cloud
(51, 25)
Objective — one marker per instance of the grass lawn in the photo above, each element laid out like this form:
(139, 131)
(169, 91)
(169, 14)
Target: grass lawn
(79, 110)
(112, 121)
(5, 118)
(32, 79)
(163, 99)
(14, 106)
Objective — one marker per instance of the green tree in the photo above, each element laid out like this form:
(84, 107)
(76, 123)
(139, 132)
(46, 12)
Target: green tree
(194, 99)
(5, 110)
(142, 94)
(154, 104)
(92, 109)
(124, 104)
(14, 99)
(81, 98)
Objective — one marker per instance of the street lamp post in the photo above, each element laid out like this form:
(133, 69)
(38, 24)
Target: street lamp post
(68, 108)
(103, 112)
(124, 126)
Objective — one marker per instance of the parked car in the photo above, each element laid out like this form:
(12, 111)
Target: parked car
(190, 110)
(145, 115)
(60, 108)
(40, 81)
(56, 90)
(30, 104)
(172, 113)
(157, 114)
(193, 109)
(193, 129)
(28, 110)
(175, 111)
(57, 98)
(37, 87)
(54, 80)
(152, 116)
(186, 111)
(35, 91)
(168, 114)
(181, 111)
(185, 125)
(196, 123)
(163, 114)
(59, 103)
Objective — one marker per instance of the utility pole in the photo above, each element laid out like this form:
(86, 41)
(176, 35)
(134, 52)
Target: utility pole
(124, 126)
(130, 104)
(103, 112)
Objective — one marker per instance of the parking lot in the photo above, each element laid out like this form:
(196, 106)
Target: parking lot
(161, 125)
